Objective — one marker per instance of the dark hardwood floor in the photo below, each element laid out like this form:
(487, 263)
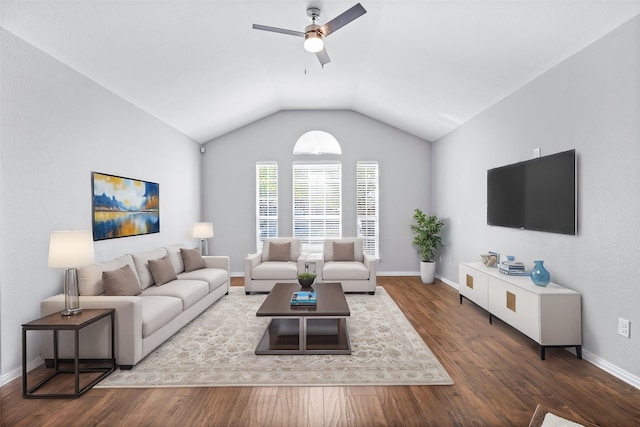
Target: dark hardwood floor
(499, 380)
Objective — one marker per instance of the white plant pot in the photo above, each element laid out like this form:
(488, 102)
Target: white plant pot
(427, 272)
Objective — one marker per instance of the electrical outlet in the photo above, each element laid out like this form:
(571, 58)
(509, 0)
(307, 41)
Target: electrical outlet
(623, 327)
(536, 153)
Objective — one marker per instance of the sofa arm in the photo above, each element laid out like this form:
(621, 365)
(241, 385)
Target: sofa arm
(250, 262)
(128, 327)
(217, 261)
(371, 263)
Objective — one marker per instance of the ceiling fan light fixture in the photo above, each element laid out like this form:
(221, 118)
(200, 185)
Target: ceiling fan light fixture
(313, 39)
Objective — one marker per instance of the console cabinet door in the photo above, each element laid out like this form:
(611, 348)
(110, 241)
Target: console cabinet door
(515, 306)
(473, 285)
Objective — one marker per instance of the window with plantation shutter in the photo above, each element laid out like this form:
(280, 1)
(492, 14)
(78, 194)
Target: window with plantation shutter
(367, 205)
(266, 202)
(317, 203)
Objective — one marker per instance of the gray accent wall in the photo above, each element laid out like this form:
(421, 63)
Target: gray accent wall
(590, 102)
(229, 180)
(56, 127)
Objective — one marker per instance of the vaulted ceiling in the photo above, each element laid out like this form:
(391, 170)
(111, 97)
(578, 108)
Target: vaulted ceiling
(423, 66)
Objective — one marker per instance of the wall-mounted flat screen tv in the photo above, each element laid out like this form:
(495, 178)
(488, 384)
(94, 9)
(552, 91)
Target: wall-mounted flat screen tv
(538, 194)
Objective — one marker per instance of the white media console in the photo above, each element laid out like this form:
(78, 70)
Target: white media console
(549, 315)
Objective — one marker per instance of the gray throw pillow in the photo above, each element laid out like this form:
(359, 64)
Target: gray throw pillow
(343, 251)
(120, 282)
(279, 251)
(192, 259)
(162, 270)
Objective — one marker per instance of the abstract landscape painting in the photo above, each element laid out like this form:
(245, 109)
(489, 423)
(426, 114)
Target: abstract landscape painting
(124, 207)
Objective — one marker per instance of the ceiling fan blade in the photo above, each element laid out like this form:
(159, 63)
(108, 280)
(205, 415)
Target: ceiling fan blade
(343, 19)
(278, 30)
(323, 57)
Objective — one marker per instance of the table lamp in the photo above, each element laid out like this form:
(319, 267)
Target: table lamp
(71, 249)
(203, 231)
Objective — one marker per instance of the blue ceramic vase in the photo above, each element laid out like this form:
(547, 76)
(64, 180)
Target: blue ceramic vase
(540, 275)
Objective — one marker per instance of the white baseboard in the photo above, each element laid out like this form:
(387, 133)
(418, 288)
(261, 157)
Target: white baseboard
(17, 373)
(454, 285)
(612, 369)
(398, 273)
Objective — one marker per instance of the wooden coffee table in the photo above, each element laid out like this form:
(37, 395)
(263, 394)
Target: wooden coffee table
(319, 329)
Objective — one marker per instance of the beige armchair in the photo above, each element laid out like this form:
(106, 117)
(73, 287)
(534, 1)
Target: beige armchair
(281, 260)
(344, 261)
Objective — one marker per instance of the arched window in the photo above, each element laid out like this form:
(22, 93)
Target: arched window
(317, 142)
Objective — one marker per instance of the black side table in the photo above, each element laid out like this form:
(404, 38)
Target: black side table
(56, 322)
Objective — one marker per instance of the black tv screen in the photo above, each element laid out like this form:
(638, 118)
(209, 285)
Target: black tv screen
(537, 194)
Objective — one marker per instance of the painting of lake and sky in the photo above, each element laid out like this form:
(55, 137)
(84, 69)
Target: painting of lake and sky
(124, 207)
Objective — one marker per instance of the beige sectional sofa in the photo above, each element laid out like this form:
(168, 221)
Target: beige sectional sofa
(155, 293)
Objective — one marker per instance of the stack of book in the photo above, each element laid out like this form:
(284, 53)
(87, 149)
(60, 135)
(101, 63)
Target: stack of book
(303, 298)
(513, 268)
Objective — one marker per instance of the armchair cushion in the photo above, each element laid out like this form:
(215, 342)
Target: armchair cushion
(294, 250)
(279, 251)
(328, 248)
(344, 270)
(343, 251)
(275, 270)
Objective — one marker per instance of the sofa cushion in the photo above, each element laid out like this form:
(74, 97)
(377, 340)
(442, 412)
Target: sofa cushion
(294, 252)
(275, 270)
(141, 260)
(189, 291)
(216, 277)
(279, 251)
(357, 248)
(192, 259)
(157, 311)
(343, 251)
(162, 270)
(120, 282)
(344, 270)
(90, 276)
(176, 257)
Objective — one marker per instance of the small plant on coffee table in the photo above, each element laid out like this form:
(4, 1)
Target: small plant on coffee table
(306, 279)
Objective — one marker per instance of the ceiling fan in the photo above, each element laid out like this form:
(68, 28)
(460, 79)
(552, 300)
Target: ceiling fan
(314, 34)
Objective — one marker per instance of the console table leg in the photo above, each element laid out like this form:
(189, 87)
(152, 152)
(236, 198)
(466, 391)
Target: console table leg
(579, 351)
(24, 362)
(76, 362)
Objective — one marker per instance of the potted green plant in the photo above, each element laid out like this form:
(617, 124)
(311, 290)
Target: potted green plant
(306, 279)
(427, 239)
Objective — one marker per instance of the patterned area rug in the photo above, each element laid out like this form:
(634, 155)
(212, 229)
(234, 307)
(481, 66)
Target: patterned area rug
(217, 349)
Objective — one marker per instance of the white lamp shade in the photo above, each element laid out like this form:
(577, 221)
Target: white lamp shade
(203, 230)
(70, 249)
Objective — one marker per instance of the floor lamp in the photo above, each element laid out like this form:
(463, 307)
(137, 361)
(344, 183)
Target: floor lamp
(68, 250)
(203, 231)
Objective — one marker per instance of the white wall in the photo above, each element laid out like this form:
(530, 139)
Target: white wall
(229, 180)
(590, 102)
(57, 127)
